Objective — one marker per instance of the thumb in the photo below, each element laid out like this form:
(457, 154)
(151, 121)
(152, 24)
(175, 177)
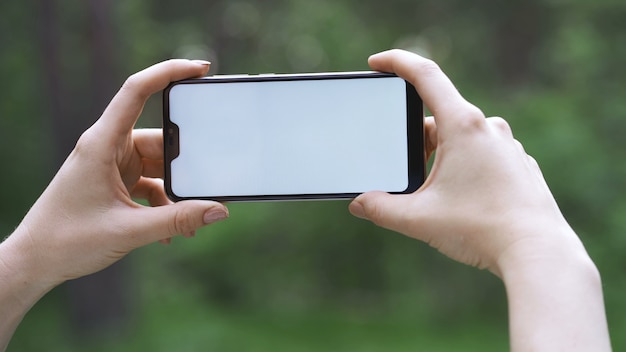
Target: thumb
(158, 223)
(383, 209)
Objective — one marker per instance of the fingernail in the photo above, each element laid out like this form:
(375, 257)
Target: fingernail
(190, 234)
(214, 215)
(201, 62)
(357, 210)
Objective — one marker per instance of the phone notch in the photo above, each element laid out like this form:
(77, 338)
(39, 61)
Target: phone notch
(172, 141)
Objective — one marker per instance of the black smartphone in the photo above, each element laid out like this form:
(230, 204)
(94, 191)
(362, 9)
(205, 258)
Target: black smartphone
(292, 136)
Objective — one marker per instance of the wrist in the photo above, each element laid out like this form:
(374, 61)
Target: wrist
(541, 245)
(20, 285)
(548, 262)
(20, 269)
(554, 292)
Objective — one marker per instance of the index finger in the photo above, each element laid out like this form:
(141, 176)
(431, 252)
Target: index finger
(434, 87)
(124, 110)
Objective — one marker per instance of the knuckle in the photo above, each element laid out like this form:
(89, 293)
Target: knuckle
(533, 162)
(396, 52)
(171, 63)
(471, 118)
(375, 212)
(85, 143)
(132, 82)
(500, 124)
(181, 223)
(394, 214)
(427, 67)
(473, 112)
(134, 85)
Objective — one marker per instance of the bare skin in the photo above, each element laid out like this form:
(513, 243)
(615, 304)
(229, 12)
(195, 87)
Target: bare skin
(86, 218)
(486, 204)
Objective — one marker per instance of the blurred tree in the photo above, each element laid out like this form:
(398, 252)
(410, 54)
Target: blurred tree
(553, 68)
(22, 137)
(98, 301)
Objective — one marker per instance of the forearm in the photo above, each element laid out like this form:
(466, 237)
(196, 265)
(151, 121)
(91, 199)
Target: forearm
(555, 301)
(19, 290)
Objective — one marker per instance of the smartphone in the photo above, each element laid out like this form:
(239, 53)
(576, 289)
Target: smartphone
(292, 136)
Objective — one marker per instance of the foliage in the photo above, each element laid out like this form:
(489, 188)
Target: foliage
(307, 276)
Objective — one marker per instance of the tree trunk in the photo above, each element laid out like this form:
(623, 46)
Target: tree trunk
(97, 303)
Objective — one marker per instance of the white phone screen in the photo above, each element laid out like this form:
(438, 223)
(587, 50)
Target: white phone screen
(319, 136)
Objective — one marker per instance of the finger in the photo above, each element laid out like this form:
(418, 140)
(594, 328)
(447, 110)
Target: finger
(434, 87)
(152, 168)
(383, 209)
(122, 113)
(151, 189)
(160, 223)
(430, 132)
(149, 142)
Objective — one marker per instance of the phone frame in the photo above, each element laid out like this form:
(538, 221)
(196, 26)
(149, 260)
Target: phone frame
(415, 134)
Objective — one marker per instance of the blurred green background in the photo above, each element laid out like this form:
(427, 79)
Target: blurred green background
(306, 276)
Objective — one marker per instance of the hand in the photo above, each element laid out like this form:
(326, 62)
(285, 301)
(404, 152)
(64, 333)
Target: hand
(86, 219)
(484, 196)
(485, 203)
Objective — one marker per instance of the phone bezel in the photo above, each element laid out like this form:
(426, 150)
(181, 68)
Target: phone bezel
(415, 134)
